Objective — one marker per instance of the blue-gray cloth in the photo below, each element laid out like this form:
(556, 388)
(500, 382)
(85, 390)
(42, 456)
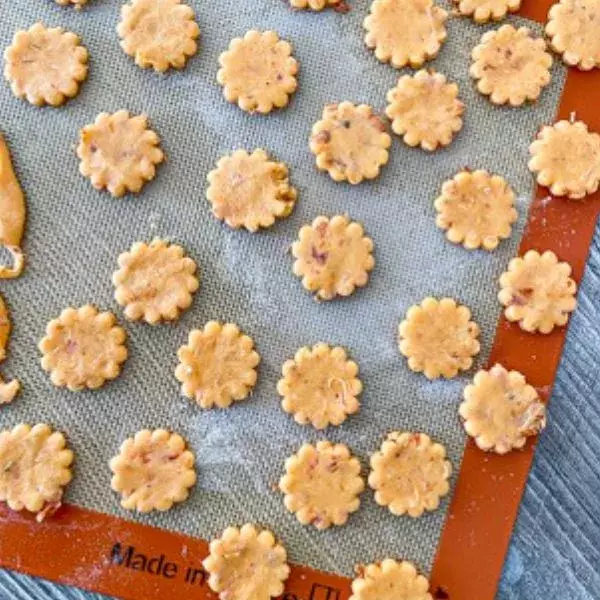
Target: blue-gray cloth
(76, 233)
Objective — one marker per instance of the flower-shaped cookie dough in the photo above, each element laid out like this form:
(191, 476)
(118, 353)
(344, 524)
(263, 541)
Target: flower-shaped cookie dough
(155, 281)
(511, 66)
(34, 468)
(217, 366)
(333, 257)
(405, 32)
(45, 65)
(390, 580)
(566, 158)
(158, 33)
(500, 410)
(439, 338)
(249, 190)
(246, 563)
(258, 72)
(476, 209)
(409, 474)
(153, 471)
(538, 291)
(350, 142)
(118, 152)
(483, 11)
(314, 4)
(83, 348)
(320, 386)
(425, 110)
(322, 484)
(573, 27)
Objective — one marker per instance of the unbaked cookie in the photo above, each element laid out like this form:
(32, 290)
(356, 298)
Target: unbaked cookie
(405, 32)
(333, 257)
(45, 65)
(322, 484)
(314, 4)
(476, 209)
(83, 348)
(34, 468)
(217, 366)
(118, 152)
(574, 31)
(439, 338)
(425, 110)
(320, 386)
(511, 66)
(258, 72)
(76, 3)
(247, 564)
(500, 410)
(409, 473)
(566, 159)
(538, 291)
(483, 11)
(153, 471)
(249, 190)
(350, 142)
(158, 33)
(155, 281)
(8, 390)
(390, 580)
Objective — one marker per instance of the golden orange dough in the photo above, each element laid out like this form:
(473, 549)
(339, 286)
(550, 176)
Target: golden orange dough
(8, 390)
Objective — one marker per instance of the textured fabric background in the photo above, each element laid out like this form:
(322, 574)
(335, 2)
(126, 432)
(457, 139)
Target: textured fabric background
(76, 233)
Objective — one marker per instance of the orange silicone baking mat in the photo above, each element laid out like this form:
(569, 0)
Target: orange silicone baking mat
(115, 556)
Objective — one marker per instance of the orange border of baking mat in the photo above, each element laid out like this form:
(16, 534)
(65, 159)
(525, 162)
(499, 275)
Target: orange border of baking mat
(107, 554)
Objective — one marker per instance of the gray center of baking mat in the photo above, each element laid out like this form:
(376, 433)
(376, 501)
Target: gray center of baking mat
(75, 235)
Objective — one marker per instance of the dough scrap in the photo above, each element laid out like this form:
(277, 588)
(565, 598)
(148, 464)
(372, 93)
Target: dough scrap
(511, 66)
(425, 110)
(500, 410)
(390, 580)
(538, 291)
(409, 474)
(246, 563)
(34, 468)
(118, 152)
(249, 190)
(8, 390)
(483, 11)
(155, 281)
(45, 65)
(153, 471)
(322, 484)
(439, 338)
(333, 257)
(258, 72)
(218, 365)
(12, 215)
(350, 142)
(320, 386)
(566, 158)
(158, 33)
(405, 32)
(314, 4)
(476, 209)
(573, 29)
(83, 348)
(76, 3)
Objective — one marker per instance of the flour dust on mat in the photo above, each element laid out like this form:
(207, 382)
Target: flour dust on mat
(483, 11)
(322, 484)
(155, 281)
(501, 410)
(158, 33)
(35, 467)
(45, 65)
(249, 190)
(320, 386)
(410, 473)
(83, 348)
(350, 142)
(153, 471)
(246, 563)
